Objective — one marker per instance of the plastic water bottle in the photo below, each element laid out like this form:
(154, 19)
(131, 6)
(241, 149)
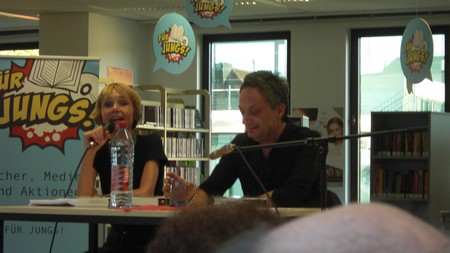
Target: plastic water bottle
(122, 157)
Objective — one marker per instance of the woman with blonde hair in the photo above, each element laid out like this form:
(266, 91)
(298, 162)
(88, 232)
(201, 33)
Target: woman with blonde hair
(117, 103)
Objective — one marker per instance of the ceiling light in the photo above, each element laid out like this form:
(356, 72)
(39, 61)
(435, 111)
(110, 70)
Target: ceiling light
(12, 15)
(294, 1)
(245, 3)
(152, 8)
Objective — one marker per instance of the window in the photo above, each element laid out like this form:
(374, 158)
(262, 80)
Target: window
(19, 43)
(227, 59)
(378, 84)
(20, 52)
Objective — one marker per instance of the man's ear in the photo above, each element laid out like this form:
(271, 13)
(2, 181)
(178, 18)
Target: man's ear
(281, 110)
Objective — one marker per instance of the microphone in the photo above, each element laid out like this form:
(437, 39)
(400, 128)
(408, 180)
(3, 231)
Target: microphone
(225, 149)
(110, 126)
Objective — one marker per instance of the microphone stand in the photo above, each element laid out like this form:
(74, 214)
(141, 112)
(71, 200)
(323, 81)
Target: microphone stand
(321, 146)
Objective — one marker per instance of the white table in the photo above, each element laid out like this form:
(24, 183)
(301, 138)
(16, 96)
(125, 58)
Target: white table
(98, 215)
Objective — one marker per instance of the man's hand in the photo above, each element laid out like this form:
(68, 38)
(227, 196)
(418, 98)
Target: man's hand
(174, 179)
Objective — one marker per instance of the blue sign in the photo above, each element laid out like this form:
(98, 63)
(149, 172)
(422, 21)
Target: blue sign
(46, 104)
(209, 13)
(173, 44)
(416, 54)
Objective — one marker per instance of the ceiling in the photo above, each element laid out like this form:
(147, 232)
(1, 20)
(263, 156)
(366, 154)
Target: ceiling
(152, 10)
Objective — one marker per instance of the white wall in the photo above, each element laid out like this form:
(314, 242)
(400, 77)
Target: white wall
(319, 50)
(119, 43)
(63, 34)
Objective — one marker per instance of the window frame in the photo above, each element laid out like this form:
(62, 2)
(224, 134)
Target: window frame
(208, 39)
(354, 89)
(19, 45)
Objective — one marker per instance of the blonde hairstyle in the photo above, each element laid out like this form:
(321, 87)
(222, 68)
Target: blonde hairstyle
(123, 90)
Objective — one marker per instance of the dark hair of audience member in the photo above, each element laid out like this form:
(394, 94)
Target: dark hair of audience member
(204, 229)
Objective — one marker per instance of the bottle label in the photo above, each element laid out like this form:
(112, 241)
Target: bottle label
(126, 179)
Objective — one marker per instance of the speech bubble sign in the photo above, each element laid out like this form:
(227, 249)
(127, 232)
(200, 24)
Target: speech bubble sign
(416, 53)
(173, 44)
(209, 13)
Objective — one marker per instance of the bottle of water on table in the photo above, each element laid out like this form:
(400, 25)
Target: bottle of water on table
(122, 157)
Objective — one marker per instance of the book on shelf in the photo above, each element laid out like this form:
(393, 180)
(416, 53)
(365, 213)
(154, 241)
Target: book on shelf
(397, 184)
(152, 115)
(188, 118)
(408, 144)
(185, 169)
(184, 145)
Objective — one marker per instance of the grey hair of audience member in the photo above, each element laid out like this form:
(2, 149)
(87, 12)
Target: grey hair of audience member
(356, 228)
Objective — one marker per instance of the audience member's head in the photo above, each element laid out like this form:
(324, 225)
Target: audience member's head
(203, 229)
(368, 228)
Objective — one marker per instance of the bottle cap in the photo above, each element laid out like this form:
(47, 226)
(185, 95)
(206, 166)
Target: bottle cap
(123, 124)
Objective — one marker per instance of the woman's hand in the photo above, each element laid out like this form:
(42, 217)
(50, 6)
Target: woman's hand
(95, 138)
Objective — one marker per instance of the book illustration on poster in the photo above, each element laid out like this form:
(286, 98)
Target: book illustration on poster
(57, 73)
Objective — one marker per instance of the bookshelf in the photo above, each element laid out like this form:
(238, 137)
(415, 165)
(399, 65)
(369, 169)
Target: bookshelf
(177, 116)
(412, 169)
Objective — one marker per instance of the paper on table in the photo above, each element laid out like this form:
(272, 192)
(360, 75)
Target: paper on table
(90, 201)
(51, 202)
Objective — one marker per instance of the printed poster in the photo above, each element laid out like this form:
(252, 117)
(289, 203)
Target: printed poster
(120, 75)
(328, 122)
(45, 106)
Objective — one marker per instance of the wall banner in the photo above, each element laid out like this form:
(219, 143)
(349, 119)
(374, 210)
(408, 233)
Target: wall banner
(209, 13)
(416, 52)
(173, 44)
(45, 106)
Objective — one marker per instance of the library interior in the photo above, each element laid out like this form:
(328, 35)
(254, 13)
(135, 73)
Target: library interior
(254, 126)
